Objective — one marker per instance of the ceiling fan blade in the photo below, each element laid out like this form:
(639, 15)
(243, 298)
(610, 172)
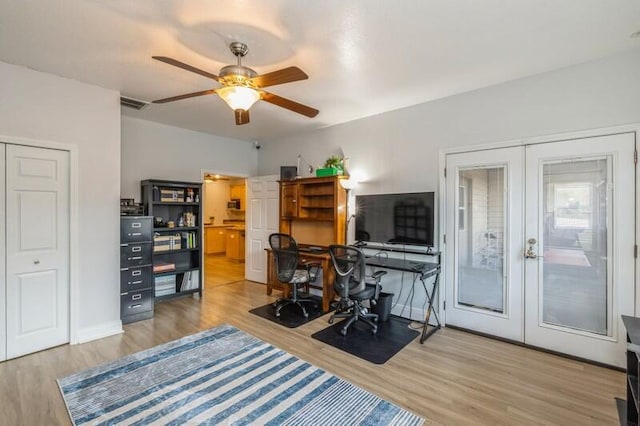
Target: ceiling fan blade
(288, 104)
(285, 75)
(242, 116)
(184, 66)
(188, 95)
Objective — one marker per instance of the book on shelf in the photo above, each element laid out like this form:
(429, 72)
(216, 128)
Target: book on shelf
(190, 281)
(188, 219)
(166, 242)
(165, 285)
(190, 239)
(172, 195)
(163, 267)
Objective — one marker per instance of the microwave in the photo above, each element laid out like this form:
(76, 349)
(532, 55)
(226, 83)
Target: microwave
(234, 204)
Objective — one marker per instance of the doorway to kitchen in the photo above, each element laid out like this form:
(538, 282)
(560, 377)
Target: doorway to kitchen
(224, 206)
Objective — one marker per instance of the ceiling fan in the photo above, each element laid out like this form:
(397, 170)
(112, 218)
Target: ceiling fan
(242, 86)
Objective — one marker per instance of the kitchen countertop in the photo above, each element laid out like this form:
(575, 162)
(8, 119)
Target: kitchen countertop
(239, 227)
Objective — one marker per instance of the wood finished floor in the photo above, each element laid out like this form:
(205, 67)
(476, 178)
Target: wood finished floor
(220, 270)
(454, 378)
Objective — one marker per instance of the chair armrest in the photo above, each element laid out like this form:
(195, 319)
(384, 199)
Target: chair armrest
(376, 275)
(312, 269)
(374, 279)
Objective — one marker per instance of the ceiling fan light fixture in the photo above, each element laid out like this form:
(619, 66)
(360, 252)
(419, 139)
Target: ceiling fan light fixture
(239, 97)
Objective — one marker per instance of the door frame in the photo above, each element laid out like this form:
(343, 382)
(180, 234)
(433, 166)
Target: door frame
(74, 209)
(237, 175)
(556, 137)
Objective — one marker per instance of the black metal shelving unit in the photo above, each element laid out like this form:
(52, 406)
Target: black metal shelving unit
(174, 202)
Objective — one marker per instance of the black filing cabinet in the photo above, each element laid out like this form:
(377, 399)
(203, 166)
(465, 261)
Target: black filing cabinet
(136, 268)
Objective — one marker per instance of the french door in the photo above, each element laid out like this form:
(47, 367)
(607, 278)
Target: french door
(542, 240)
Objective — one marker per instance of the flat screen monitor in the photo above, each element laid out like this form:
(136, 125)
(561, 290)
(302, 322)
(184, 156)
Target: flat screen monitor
(395, 218)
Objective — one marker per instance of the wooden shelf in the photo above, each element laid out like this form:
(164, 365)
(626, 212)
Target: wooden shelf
(313, 210)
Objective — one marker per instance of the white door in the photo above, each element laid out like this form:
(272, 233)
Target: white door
(549, 259)
(484, 234)
(37, 249)
(3, 281)
(263, 195)
(580, 203)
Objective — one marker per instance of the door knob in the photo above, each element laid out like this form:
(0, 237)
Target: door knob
(530, 253)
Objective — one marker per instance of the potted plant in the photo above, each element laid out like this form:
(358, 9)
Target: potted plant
(333, 166)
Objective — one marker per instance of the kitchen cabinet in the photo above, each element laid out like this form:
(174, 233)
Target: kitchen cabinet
(237, 191)
(216, 241)
(235, 244)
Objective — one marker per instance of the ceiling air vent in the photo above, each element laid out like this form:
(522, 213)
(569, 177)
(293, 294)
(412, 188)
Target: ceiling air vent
(132, 103)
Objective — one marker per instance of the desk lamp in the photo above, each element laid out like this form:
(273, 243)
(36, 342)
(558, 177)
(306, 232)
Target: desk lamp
(348, 185)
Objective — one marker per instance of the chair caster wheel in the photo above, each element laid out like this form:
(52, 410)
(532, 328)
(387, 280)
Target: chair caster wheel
(343, 331)
(330, 320)
(374, 330)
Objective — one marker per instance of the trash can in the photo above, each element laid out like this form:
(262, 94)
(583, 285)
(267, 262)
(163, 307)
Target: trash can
(383, 306)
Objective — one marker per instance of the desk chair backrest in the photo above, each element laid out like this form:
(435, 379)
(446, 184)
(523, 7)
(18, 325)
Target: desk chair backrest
(349, 264)
(285, 252)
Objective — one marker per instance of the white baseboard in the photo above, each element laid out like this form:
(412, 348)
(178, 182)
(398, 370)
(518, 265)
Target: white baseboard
(99, 331)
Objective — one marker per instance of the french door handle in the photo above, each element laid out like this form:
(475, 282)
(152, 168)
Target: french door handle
(530, 253)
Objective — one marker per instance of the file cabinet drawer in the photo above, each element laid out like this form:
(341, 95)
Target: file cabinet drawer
(136, 229)
(136, 278)
(135, 302)
(135, 254)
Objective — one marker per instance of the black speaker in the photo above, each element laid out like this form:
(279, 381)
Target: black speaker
(288, 172)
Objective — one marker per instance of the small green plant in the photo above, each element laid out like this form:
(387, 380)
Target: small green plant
(334, 161)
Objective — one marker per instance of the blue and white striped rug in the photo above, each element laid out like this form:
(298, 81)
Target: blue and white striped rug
(221, 376)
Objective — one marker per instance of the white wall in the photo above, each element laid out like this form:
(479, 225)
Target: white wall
(156, 151)
(398, 151)
(45, 107)
(216, 197)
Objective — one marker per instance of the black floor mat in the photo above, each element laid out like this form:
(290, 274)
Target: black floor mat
(392, 336)
(291, 315)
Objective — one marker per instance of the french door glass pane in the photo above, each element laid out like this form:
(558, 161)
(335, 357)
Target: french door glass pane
(575, 215)
(480, 238)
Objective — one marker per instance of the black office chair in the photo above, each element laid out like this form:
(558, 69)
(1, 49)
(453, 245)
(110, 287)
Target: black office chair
(285, 253)
(352, 287)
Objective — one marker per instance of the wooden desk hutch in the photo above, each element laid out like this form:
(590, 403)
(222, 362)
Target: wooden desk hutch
(314, 211)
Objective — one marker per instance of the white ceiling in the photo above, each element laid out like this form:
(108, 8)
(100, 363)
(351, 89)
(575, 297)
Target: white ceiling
(363, 57)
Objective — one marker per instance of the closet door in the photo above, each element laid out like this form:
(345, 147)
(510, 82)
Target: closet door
(3, 271)
(37, 249)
